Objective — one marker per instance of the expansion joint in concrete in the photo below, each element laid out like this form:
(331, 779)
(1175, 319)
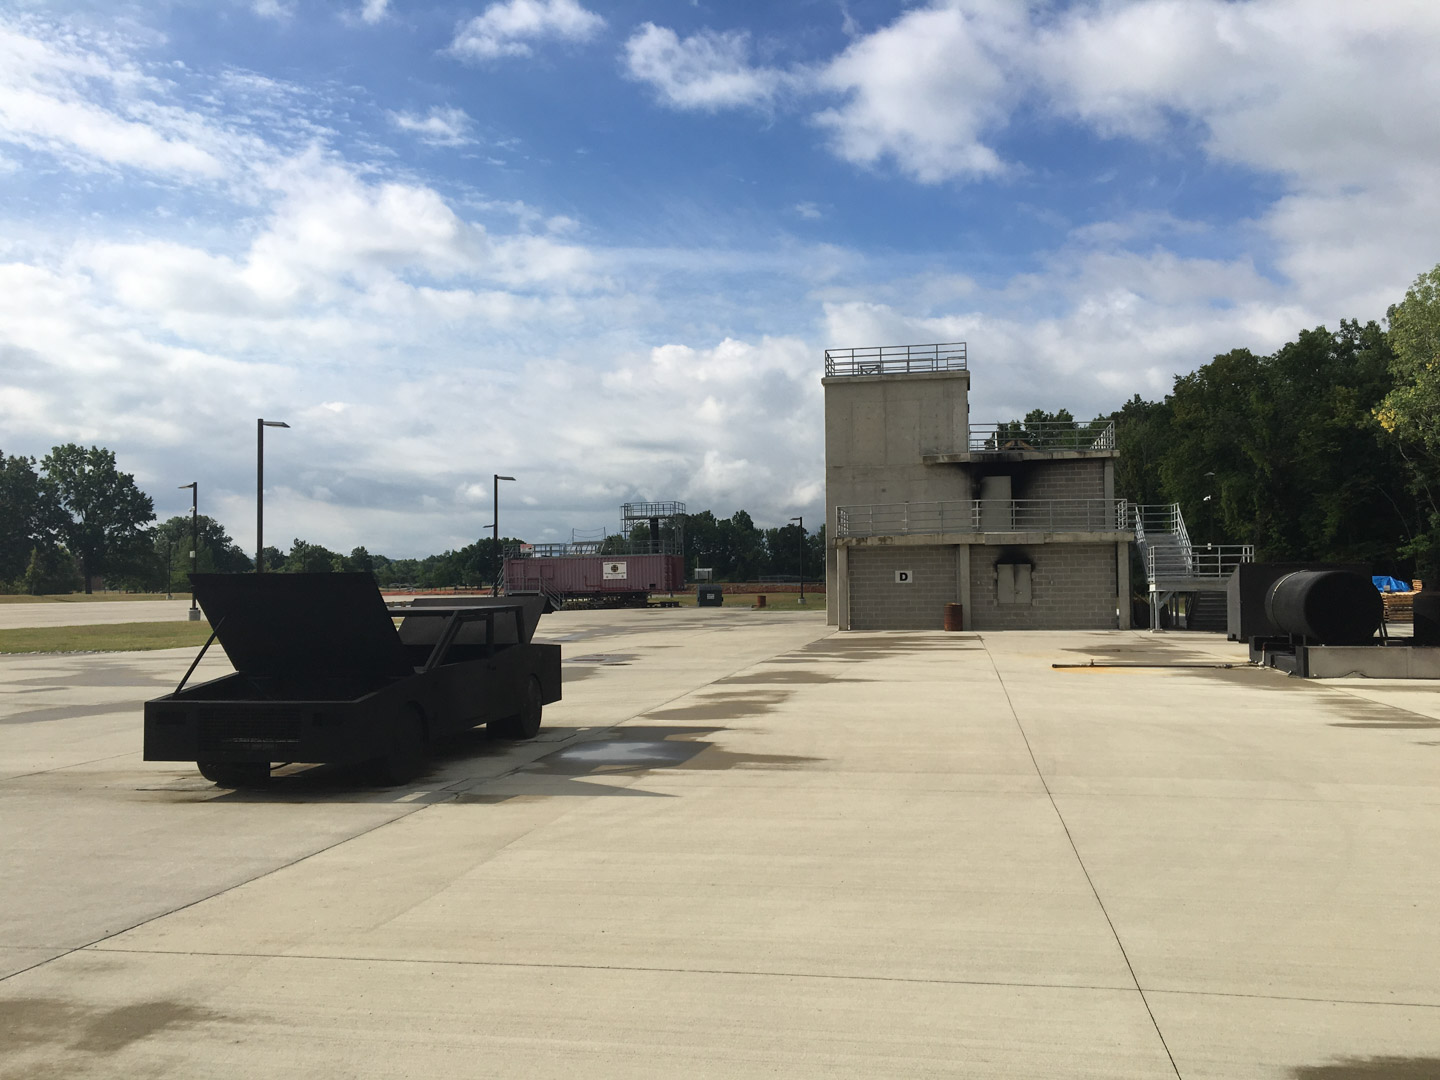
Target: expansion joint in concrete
(1080, 861)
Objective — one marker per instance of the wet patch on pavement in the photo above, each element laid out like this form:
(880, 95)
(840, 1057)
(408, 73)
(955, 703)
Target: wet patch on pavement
(1374, 1068)
(66, 712)
(54, 1022)
(644, 749)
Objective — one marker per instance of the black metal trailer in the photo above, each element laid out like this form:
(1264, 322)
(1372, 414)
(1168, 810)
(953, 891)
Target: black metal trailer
(324, 675)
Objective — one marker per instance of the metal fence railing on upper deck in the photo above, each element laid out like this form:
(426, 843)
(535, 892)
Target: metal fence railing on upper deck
(896, 359)
(1044, 436)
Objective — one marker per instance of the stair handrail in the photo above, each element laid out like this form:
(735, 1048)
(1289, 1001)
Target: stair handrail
(1185, 546)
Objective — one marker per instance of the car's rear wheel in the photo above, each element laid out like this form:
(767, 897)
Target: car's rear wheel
(524, 724)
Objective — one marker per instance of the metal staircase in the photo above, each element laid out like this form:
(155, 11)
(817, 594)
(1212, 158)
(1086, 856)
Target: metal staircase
(1173, 565)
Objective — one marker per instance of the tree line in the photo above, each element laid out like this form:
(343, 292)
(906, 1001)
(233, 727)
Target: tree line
(73, 518)
(1327, 449)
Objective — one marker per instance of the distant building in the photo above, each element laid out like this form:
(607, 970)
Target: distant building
(1018, 523)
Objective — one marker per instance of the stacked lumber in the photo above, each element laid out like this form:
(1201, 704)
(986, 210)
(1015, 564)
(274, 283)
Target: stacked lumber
(1400, 606)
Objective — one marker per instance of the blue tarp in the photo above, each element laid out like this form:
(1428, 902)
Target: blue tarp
(1390, 584)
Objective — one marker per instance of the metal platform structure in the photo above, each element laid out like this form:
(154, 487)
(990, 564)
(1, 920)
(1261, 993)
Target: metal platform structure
(1174, 565)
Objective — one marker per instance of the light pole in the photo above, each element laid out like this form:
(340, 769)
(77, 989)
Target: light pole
(495, 536)
(260, 426)
(801, 520)
(194, 487)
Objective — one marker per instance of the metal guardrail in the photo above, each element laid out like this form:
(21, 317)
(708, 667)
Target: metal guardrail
(983, 515)
(1040, 437)
(1169, 553)
(896, 359)
(1158, 518)
(1216, 561)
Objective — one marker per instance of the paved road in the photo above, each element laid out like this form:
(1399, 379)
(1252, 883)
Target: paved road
(92, 612)
(745, 846)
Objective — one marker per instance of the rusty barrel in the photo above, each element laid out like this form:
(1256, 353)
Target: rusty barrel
(954, 616)
(760, 600)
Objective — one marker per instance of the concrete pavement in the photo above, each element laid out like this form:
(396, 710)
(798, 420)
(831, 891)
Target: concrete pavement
(92, 612)
(746, 846)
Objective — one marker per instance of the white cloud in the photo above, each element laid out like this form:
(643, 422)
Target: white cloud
(48, 87)
(512, 27)
(441, 127)
(926, 89)
(279, 10)
(372, 11)
(1323, 90)
(630, 372)
(1088, 330)
(708, 70)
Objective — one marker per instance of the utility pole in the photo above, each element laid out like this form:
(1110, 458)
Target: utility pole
(801, 520)
(194, 487)
(495, 536)
(260, 426)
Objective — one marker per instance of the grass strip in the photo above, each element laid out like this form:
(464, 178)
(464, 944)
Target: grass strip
(110, 637)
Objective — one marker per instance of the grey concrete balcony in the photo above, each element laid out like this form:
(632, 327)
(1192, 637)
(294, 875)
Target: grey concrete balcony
(1027, 520)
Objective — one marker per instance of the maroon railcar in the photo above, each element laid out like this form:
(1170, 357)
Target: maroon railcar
(609, 579)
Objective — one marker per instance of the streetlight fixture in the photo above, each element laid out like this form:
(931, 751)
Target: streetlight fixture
(801, 520)
(194, 487)
(260, 426)
(495, 536)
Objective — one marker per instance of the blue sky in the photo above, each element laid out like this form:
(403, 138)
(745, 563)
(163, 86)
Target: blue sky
(602, 246)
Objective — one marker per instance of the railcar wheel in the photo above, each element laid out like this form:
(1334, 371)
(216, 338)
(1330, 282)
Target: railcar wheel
(231, 774)
(526, 723)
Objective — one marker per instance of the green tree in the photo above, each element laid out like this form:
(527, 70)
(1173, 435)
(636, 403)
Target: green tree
(1142, 436)
(358, 561)
(306, 558)
(28, 518)
(50, 569)
(1410, 413)
(1280, 451)
(100, 508)
(216, 554)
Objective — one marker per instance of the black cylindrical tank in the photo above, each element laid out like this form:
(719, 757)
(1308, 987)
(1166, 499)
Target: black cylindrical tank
(1427, 618)
(1326, 607)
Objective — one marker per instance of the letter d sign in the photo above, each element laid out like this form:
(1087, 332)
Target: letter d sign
(902, 577)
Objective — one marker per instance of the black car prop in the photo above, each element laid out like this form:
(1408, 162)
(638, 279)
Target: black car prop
(324, 675)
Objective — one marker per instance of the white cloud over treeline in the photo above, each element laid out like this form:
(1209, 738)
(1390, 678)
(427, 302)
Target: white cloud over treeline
(417, 340)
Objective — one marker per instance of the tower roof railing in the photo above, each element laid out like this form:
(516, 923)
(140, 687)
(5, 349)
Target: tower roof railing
(896, 359)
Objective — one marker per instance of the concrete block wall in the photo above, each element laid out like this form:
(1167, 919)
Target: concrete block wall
(1073, 587)
(1062, 480)
(877, 602)
(876, 430)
